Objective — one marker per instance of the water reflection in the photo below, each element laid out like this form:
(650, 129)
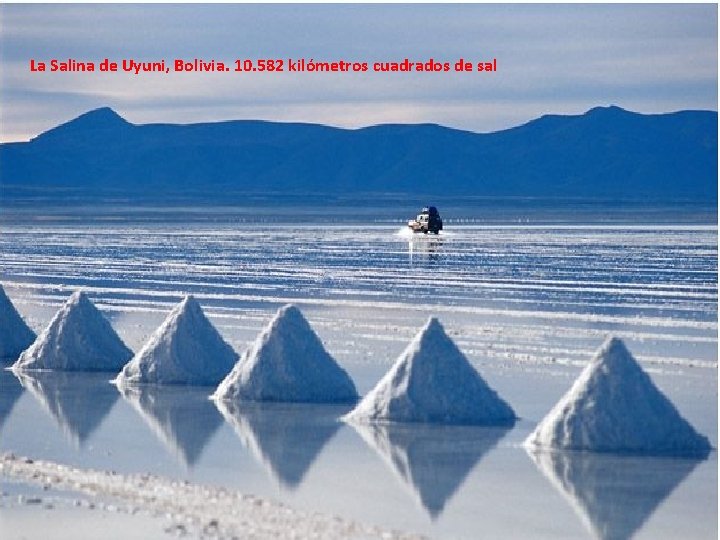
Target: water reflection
(10, 392)
(183, 418)
(433, 461)
(78, 402)
(286, 438)
(612, 495)
(424, 250)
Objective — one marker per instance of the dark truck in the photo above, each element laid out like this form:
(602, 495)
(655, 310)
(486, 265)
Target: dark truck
(428, 220)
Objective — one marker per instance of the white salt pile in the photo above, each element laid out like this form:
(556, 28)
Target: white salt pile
(185, 349)
(15, 336)
(433, 382)
(78, 338)
(288, 362)
(614, 406)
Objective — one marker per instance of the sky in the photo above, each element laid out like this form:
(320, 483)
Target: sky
(552, 59)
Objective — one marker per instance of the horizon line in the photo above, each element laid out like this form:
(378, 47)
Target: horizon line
(346, 128)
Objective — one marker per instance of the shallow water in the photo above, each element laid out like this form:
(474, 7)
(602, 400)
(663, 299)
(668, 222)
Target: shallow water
(528, 304)
(444, 481)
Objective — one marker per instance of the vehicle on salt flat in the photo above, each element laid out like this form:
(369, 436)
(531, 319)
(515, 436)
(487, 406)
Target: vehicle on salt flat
(428, 220)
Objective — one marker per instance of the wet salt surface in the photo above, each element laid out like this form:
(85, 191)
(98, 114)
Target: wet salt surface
(536, 294)
(192, 509)
(528, 305)
(29, 511)
(440, 481)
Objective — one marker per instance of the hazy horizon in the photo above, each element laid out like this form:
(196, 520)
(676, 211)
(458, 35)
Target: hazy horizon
(549, 113)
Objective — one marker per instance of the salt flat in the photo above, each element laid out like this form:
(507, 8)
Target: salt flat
(527, 303)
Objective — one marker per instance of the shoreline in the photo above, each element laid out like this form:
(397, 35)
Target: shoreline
(200, 511)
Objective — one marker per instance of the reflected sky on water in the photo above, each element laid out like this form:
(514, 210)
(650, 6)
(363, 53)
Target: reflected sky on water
(440, 480)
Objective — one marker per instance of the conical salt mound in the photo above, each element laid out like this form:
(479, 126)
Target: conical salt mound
(185, 349)
(433, 382)
(78, 338)
(15, 336)
(288, 362)
(614, 406)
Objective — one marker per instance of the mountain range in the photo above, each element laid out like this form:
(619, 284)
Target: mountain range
(607, 152)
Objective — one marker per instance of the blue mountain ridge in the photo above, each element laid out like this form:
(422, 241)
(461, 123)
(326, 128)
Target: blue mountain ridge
(607, 152)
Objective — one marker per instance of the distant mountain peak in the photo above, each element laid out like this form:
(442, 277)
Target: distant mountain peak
(607, 109)
(103, 119)
(102, 113)
(98, 118)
